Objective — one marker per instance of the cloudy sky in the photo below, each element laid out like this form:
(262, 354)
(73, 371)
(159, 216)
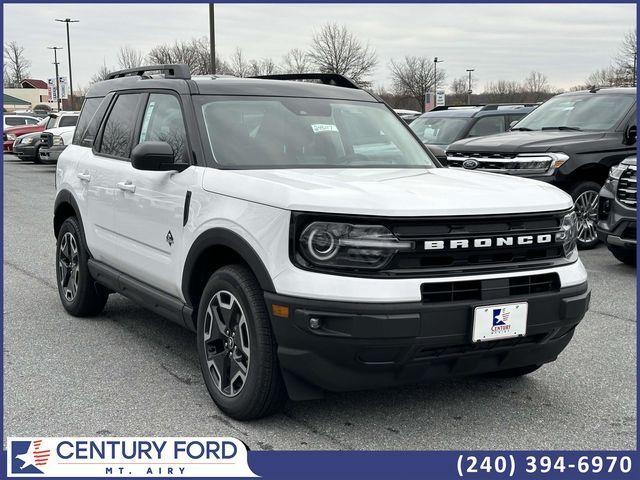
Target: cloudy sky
(566, 42)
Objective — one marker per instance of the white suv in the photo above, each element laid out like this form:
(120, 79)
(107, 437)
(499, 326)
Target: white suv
(308, 237)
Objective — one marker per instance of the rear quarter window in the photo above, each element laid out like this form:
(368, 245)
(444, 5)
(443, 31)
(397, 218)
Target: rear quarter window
(89, 121)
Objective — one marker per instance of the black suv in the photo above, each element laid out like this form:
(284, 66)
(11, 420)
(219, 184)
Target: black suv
(571, 141)
(617, 211)
(445, 125)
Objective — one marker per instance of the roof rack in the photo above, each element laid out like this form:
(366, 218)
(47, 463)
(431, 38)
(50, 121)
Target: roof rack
(449, 107)
(496, 106)
(325, 78)
(179, 70)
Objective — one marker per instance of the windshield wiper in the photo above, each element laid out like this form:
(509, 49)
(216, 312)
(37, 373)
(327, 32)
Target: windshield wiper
(521, 129)
(563, 127)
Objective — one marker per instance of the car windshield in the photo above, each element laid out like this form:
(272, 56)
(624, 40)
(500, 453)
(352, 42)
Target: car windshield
(585, 111)
(278, 132)
(439, 130)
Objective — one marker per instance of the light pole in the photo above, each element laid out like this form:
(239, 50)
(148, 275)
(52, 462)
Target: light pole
(435, 80)
(55, 62)
(212, 39)
(469, 92)
(68, 21)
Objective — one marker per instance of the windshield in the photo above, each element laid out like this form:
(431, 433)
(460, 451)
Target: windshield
(439, 130)
(270, 132)
(586, 111)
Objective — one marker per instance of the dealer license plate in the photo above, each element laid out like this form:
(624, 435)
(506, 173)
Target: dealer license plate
(497, 322)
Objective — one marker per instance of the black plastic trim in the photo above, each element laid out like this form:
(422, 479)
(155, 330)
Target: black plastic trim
(187, 203)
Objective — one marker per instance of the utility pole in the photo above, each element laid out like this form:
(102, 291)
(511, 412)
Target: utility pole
(469, 91)
(55, 62)
(212, 38)
(68, 21)
(435, 80)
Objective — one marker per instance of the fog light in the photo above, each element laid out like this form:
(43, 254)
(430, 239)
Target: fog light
(314, 323)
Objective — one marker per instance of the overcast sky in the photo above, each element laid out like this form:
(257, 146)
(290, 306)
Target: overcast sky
(566, 42)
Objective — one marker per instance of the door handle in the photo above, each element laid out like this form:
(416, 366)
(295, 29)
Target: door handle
(85, 177)
(127, 186)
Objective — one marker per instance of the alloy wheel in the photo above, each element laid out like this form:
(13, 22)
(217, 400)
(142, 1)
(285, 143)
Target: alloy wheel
(226, 343)
(586, 207)
(68, 264)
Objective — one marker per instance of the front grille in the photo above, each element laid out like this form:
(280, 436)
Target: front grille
(627, 187)
(489, 289)
(46, 139)
(499, 161)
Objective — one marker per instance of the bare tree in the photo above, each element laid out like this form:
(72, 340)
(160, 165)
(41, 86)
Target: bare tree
(604, 77)
(627, 58)
(537, 85)
(195, 53)
(239, 65)
(129, 57)
(414, 77)
(266, 66)
(336, 50)
(102, 73)
(16, 64)
(296, 61)
(459, 86)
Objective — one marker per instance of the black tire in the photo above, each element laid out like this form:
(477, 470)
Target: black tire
(36, 158)
(262, 391)
(515, 372)
(87, 298)
(625, 255)
(587, 188)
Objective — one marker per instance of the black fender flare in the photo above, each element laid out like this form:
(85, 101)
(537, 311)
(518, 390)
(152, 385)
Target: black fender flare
(225, 238)
(65, 196)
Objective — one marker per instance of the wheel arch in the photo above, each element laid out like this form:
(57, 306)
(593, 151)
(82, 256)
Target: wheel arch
(65, 206)
(594, 172)
(213, 249)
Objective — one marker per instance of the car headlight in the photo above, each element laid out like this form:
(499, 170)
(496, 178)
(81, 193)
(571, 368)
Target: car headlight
(344, 245)
(558, 159)
(616, 171)
(568, 233)
(57, 140)
(27, 141)
(11, 136)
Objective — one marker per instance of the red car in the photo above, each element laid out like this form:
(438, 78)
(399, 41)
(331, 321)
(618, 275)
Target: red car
(53, 120)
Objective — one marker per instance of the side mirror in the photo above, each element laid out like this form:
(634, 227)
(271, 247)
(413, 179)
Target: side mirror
(513, 124)
(630, 134)
(156, 157)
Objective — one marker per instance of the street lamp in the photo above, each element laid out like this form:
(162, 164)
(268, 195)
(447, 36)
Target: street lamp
(55, 62)
(469, 92)
(212, 39)
(68, 21)
(435, 79)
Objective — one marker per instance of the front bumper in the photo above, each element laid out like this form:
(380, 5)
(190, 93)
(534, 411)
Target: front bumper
(616, 222)
(51, 154)
(372, 345)
(26, 152)
(7, 146)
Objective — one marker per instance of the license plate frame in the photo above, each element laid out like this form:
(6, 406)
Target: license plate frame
(500, 321)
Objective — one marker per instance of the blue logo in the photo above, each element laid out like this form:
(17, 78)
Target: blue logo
(28, 456)
(499, 317)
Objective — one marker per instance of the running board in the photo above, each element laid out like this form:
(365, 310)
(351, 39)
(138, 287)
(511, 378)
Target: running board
(147, 296)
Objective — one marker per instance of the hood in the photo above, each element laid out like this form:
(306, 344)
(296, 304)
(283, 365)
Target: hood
(537, 141)
(388, 192)
(22, 129)
(61, 130)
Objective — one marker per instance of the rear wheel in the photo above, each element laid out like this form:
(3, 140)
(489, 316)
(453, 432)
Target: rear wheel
(79, 294)
(585, 201)
(236, 347)
(625, 255)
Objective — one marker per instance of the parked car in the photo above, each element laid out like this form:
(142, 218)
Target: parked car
(445, 125)
(53, 143)
(18, 120)
(27, 147)
(617, 211)
(53, 120)
(570, 141)
(407, 115)
(308, 237)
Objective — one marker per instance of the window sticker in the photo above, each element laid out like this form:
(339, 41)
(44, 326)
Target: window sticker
(323, 127)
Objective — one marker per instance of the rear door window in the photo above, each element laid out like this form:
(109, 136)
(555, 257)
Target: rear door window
(68, 121)
(118, 130)
(163, 122)
(14, 121)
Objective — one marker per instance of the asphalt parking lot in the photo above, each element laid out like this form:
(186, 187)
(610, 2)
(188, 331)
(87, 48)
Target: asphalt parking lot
(131, 373)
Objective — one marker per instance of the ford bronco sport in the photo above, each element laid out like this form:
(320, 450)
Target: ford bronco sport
(308, 237)
(571, 141)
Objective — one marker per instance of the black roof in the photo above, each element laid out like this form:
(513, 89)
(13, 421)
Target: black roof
(607, 90)
(225, 85)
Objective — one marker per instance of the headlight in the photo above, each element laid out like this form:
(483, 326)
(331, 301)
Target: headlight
(616, 171)
(57, 140)
(333, 244)
(11, 136)
(558, 159)
(27, 141)
(568, 233)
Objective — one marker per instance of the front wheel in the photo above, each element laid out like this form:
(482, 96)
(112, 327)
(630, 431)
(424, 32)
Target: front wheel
(236, 347)
(585, 201)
